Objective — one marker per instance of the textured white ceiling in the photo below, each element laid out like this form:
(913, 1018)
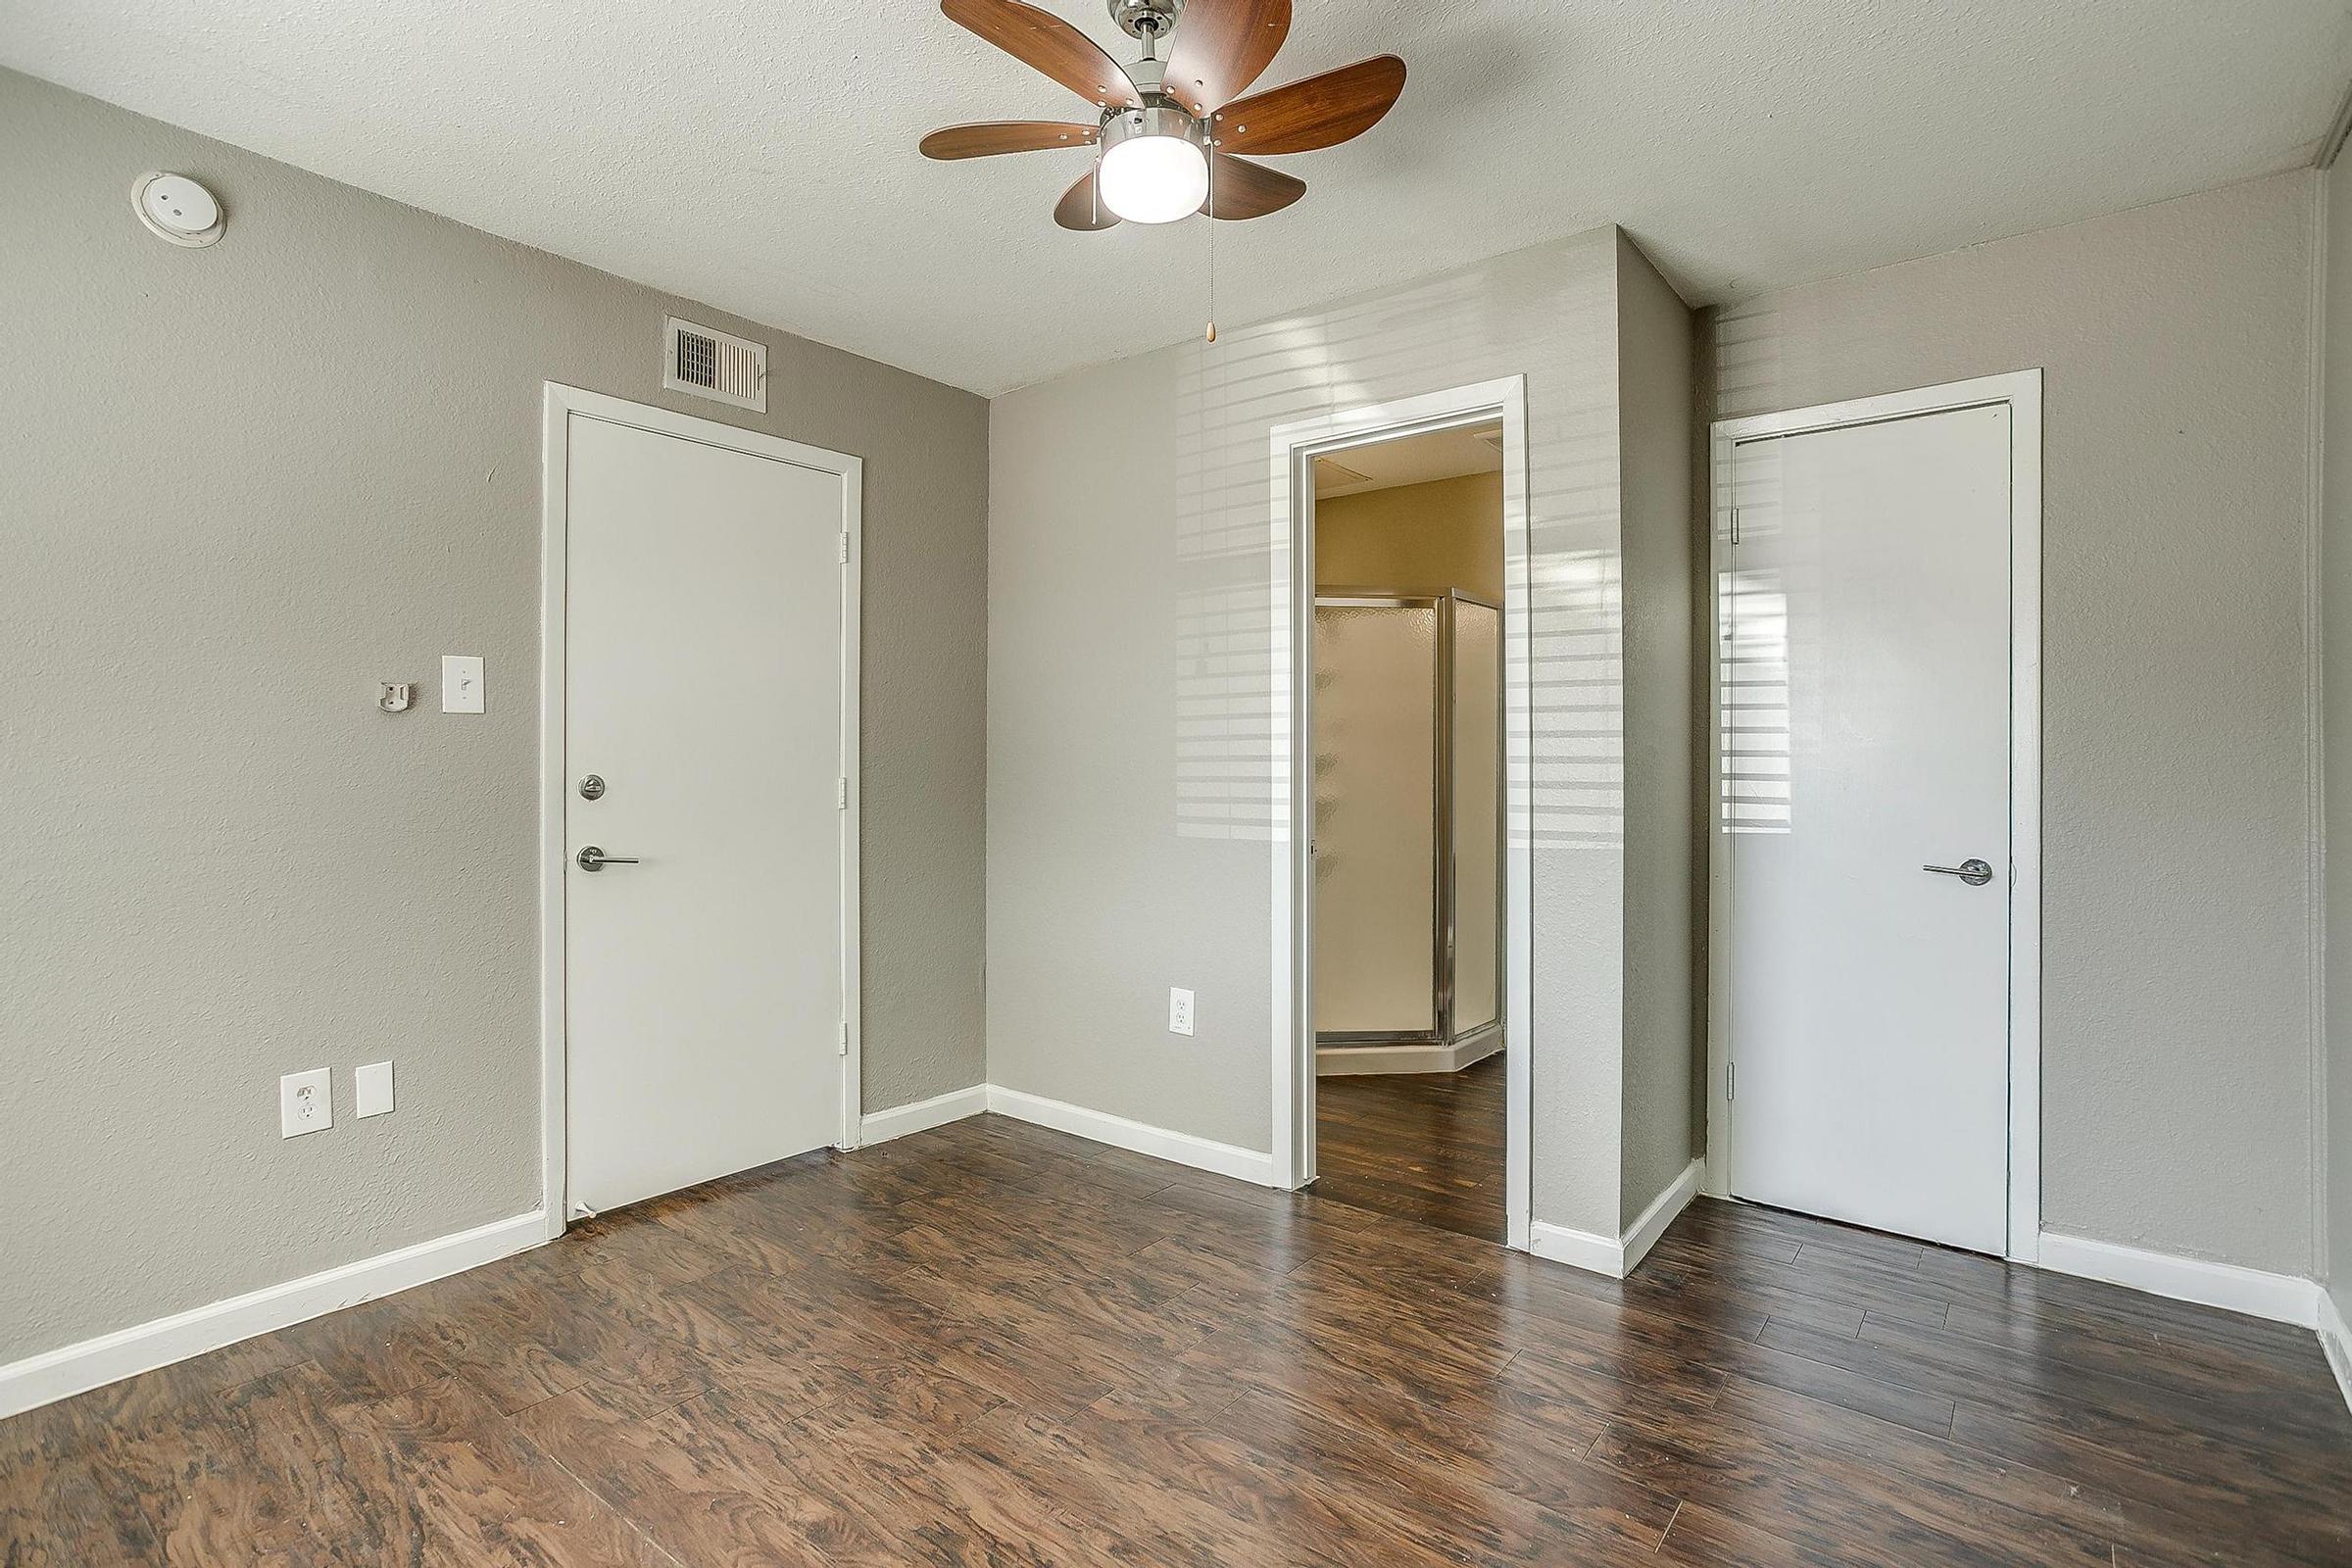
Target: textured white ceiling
(762, 155)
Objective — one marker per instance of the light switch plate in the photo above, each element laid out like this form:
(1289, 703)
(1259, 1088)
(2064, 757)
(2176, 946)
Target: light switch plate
(1180, 1010)
(372, 1087)
(305, 1103)
(461, 683)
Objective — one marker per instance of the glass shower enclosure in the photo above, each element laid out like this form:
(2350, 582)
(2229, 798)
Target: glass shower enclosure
(1408, 818)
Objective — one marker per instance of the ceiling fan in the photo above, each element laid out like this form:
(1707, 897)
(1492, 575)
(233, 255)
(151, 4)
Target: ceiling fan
(1170, 129)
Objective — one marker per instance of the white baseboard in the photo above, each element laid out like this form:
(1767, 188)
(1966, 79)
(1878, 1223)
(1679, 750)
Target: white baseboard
(1618, 1255)
(937, 1111)
(72, 1369)
(2280, 1298)
(1202, 1154)
(1588, 1251)
(1348, 1061)
(1643, 1233)
(2335, 1340)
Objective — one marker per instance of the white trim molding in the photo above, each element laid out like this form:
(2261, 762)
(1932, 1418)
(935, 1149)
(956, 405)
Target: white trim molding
(1352, 1061)
(1588, 1251)
(73, 1369)
(922, 1115)
(2280, 1298)
(2021, 391)
(2336, 1342)
(562, 405)
(1141, 1138)
(1619, 1256)
(1291, 450)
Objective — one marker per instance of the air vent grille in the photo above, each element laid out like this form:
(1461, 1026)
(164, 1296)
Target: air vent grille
(713, 365)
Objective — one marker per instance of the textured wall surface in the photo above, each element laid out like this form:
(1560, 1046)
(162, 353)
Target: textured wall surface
(1664, 987)
(2335, 607)
(243, 484)
(1443, 534)
(1132, 817)
(2177, 868)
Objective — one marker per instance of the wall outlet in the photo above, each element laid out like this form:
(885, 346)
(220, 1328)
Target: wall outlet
(305, 1103)
(372, 1087)
(1180, 1010)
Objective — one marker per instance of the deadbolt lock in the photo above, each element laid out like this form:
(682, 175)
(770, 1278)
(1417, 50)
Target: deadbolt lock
(592, 788)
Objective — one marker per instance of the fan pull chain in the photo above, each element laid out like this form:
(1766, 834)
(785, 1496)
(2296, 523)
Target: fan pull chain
(1212, 239)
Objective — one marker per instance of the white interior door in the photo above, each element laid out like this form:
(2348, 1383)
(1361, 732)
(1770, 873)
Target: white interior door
(704, 972)
(1865, 688)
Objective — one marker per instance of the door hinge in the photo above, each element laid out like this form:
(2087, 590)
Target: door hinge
(845, 547)
(845, 1038)
(1731, 1080)
(841, 793)
(1735, 525)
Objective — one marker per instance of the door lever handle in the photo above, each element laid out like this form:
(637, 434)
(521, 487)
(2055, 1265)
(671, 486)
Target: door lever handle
(593, 858)
(1976, 873)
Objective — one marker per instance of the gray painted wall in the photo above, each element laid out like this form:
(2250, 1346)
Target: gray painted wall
(244, 484)
(2336, 609)
(1131, 796)
(2178, 1053)
(1663, 846)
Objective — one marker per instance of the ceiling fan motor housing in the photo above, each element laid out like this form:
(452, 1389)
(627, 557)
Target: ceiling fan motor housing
(1160, 118)
(1139, 17)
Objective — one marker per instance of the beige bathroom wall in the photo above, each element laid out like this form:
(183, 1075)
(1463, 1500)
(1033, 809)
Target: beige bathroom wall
(1446, 533)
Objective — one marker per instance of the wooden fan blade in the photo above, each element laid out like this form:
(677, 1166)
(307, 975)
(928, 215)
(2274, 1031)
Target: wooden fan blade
(995, 136)
(1043, 40)
(1320, 112)
(1221, 47)
(1080, 208)
(1239, 188)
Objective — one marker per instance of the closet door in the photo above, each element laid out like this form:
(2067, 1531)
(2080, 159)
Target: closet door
(1866, 728)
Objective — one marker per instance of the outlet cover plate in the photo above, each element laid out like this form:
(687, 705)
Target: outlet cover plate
(372, 1087)
(305, 1103)
(1180, 1010)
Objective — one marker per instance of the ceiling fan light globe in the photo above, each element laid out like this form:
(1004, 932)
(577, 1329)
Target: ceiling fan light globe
(1154, 180)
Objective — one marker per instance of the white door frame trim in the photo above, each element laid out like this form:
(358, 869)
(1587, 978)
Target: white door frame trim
(1291, 449)
(2021, 390)
(562, 403)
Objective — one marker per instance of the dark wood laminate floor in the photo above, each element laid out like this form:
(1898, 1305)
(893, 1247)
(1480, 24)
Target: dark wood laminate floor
(992, 1344)
(1423, 1147)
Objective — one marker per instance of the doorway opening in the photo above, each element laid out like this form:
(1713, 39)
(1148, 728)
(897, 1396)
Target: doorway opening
(1407, 962)
(1401, 907)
